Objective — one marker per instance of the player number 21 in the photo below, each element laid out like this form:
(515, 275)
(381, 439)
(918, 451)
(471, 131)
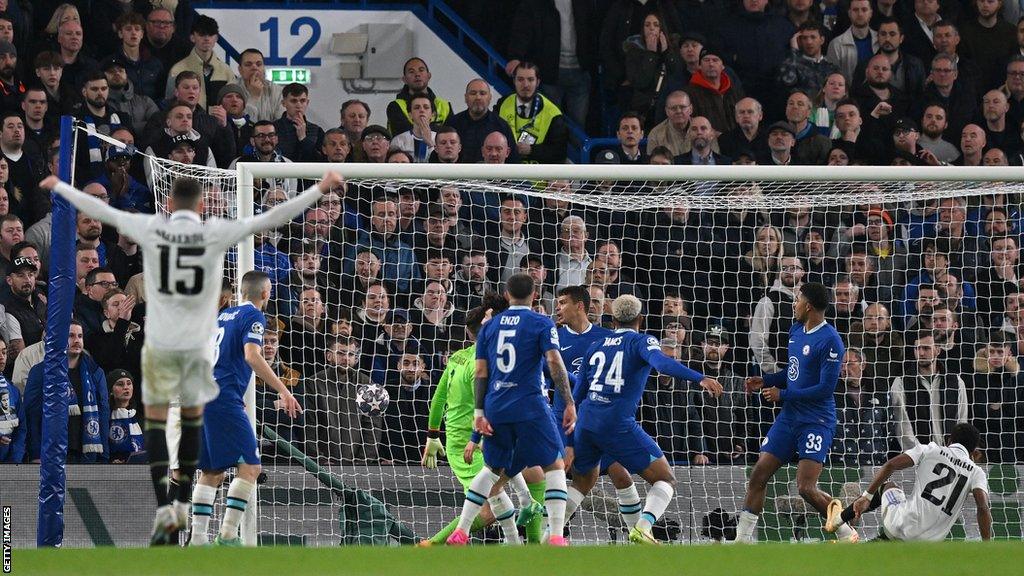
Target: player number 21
(612, 378)
(813, 443)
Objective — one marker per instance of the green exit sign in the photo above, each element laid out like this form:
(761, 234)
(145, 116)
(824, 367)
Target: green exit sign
(288, 75)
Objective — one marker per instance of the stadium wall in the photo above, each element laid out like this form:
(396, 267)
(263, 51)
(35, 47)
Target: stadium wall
(303, 39)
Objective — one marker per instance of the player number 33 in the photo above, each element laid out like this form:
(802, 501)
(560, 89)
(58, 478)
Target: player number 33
(813, 443)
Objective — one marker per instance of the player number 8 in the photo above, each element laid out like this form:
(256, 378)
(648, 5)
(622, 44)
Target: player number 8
(813, 442)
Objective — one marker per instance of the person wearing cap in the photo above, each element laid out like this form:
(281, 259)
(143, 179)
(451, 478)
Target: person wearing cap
(723, 419)
(124, 97)
(126, 438)
(13, 422)
(537, 123)
(125, 192)
(375, 143)
(781, 139)
(118, 342)
(415, 77)
(806, 68)
(232, 100)
(811, 146)
(477, 121)
(144, 72)
(395, 338)
(24, 301)
(713, 93)
(202, 58)
(11, 88)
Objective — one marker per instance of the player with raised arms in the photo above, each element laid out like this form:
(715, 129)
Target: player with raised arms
(805, 426)
(228, 437)
(944, 477)
(185, 265)
(616, 372)
(513, 414)
(576, 334)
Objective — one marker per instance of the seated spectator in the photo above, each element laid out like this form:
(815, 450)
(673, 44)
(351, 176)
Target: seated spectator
(999, 132)
(955, 344)
(572, 259)
(448, 146)
(365, 272)
(994, 395)
(24, 301)
(375, 144)
(145, 73)
(933, 126)
(355, 115)
(946, 88)
(416, 77)
(88, 411)
(13, 87)
(724, 419)
(336, 431)
(395, 339)
(927, 401)
(13, 421)
(811, 148)
(862, 416)
(271, 349)
(1001, 278)
(512, 243)
(118, 342)
(781, 139)
(472, 280)
(163, 42)
(651, 57)
(713, 92)
(771, 320)
(263, 148)
(477, 121)
(89, 301)
(231, 99)
(928, 300)
(806, 68)
(418, 141)
(748, 134)
(882, 347)
(674, 131)
(125, 437)
(845, 308)
(398, 261)
(703, 142)
(203, 61)
(438, 266)
(297, 137)
(40, 127)
(369, 318)
(599, 312)
(972, 146)
(70, 47)
(124, 191)
(60, 97)
(405, 420)
(305, 334)
(306, 274)
(537, 124)
(629, 134)
(544, 295)
(435, 234)
(825, 102)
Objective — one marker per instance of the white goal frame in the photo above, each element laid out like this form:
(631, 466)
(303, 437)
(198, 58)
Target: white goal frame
(247, 172)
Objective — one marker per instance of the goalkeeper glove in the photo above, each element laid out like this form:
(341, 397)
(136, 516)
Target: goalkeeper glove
(434, 447)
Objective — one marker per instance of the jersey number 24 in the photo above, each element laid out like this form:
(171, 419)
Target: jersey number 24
(613, 377)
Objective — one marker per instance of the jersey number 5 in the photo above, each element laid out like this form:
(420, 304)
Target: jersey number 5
(506, 351)
(187, 271)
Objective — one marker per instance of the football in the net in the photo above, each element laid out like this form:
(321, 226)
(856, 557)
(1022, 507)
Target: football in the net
(372, 399)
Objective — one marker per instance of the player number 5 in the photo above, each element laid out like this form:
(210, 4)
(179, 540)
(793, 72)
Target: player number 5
(506, 351)
(813, 443)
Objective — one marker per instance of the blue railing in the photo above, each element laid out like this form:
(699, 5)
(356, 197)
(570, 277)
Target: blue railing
(454, 31)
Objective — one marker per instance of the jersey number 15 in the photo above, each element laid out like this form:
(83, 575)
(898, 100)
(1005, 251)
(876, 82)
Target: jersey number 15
(182, 264)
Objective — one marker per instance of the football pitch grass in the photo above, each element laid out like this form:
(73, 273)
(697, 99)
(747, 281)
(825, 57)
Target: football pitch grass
(875, 559)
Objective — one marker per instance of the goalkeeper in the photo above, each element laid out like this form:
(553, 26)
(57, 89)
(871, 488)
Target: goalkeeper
(453, 399)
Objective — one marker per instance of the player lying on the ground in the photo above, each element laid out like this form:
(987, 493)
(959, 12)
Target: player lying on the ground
(807, 422)
(609, 389)
(228, 437)
(944, 475)
(453, 399)
(513, 414)
(185, 258)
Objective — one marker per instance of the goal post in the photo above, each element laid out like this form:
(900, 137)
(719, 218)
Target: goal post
(703, 247)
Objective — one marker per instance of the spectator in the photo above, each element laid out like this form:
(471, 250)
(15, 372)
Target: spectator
(355, 114)
(336, 146)
(928, 299)
(918, 28)
(713, 92)
(972, 145)
(306, 273)
(908, 73)
(438, 267)
(512, 243)
(724, 420)
(1000, 279)
(89, 301)
(882, 346)
(418, 140)
(305, 334)
(946, 88)
(405, 419)
(448, 146)
(998, 132)
(271, 347)
(86, 260)
(811, 147)
(25, 303)
(927, 401)
(375, 143)
(40, 129)
(877, 96)
(955, 345)
(472, 281)
(124, 192)
(88, 410)
(337, 432)
(416, 77)
(747, 135)
(263, 99)
(994, 395)
(651, 58)
(435, 235)
(77, 64)
(123, 98)
(827, 100)
(118, 341)
(572, 259)
(946, 40)
(560, 38)
(629, 134)
(431, 315)
(989, 40)
(297, 137)
(702, 141)
(806, 68)
(125, 439)
(398, 262)
(537, 124)
(395, 338)
(477, 121)
(451, 200)
(846, 306)
(12, 87)
(933, 126)
(855, 46)
(396, 156)
(144, 72)
(1014, 87)
(263, 148)
(759, 42)
(781, 139)
(163, 43)
(13, 421)
(862, 428)
(773, 316)
(232, 100)
(201, 60)
(623, 19)
(674, 131)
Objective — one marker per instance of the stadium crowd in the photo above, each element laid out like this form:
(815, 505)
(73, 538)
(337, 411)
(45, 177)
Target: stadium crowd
(372, 284)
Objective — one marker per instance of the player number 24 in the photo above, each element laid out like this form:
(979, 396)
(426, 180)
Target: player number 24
(612, 378)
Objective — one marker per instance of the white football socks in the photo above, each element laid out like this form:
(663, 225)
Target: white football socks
(555, 496)
(477, 494)
(522, 490)
(658, 499)
(746, 527)
(505, 514)
(575, 499)
(203, 497)
(239, 493)
(629, 504)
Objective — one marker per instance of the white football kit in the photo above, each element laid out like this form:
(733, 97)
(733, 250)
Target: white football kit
(184, 267)
(944, 477)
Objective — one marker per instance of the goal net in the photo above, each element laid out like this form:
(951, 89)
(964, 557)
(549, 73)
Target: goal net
(372, 286)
